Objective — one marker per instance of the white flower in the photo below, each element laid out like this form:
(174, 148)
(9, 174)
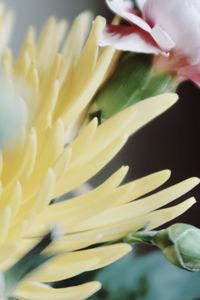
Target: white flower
(168, 27)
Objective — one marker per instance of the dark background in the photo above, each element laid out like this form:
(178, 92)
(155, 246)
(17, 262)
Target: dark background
(171, 141)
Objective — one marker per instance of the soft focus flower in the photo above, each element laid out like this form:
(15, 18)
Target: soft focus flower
(180, 243)
(13, 115)
(28, 263)
(161, 27)
(62, 81)
(6, 23)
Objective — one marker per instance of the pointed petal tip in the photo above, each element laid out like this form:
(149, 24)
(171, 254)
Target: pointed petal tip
(173, 97)
(125, 169)
(168, 98)
(124, 248)
(96, 286)
(86, 14)
(94, 122)
(191, 201)
(100, 20)
(195, 180)
(166, 173)
(185, 205)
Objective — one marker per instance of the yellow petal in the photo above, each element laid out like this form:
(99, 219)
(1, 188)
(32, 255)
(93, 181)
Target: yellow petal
(73, 178)
(71, 264)
(140, 207)
(150, 108)
(38, 291)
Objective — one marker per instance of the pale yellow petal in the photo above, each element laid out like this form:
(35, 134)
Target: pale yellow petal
(6, 24)
(49, 42)
(26, 54)
(144, 185)
(82, 96)
(41, 199)
(163, 216)
(5, 217)
(150, 108)
(75, 40)
(16, 201)
(71, 264)
(139, 207)
(74, 177)
(39, 291)
(70, 208)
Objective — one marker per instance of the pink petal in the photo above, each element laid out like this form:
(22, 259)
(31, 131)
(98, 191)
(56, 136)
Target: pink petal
(180, 19)
(129, 38)
(124, 9)
(191, 72)
(162, 39)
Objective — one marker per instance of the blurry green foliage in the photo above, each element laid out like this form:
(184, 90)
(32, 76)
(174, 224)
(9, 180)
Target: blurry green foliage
(148, 277)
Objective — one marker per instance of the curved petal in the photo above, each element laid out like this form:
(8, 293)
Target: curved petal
(129, 39)
(162, 38)
(155, 36)
(180, 20)
(124, 9)
(38, 291)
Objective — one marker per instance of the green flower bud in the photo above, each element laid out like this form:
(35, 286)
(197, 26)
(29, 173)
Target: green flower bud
(131, 82)
(180, 243)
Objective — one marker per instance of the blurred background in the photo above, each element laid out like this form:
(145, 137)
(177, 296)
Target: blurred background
(36, 12)
(169, 142)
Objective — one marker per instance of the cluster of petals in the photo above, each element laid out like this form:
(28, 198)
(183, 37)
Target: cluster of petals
(168, 28)
(59, 77)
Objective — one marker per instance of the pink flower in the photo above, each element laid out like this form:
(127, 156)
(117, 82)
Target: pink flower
(170, 28)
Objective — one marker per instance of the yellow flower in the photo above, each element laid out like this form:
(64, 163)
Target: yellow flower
(60, 83)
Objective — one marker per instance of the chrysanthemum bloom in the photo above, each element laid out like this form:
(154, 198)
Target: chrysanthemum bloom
(57, 85)
(170, 28)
